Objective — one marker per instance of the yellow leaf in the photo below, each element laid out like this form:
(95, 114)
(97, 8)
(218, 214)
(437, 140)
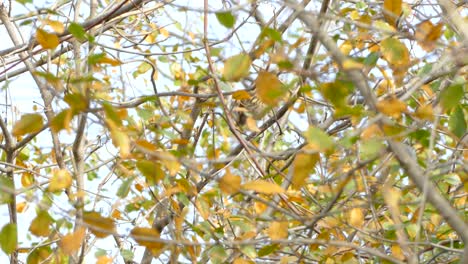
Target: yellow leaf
(262, 186)
(164, 32)
(392, 10)
(229, 183)
(104, 260)
(71, 243)
(98, 225)
(270, 90)
(303, 166)
(20, 207)
(47, 40)
(425, 112)
(145, 236)
(241, 95)
(57, 26)
(427, 34)
(61, 179)
(107, 60)
(242, 261)
(392, 107)
(371, 131)
(121, 140)
(392, 197)
(251, 124)
(346, 47)
(260, 207)
(27, 179)
(397, 252)
(29, 123)
(278, 230)
(395, 53)
(237, 67)
(40, 226)
(350, 64)
(356, 217)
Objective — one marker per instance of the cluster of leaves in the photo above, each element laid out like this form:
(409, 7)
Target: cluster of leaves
(140, 110)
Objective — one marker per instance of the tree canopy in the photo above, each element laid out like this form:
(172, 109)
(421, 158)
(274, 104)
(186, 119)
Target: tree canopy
(233, 131)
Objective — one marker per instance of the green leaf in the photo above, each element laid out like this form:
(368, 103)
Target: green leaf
(100, 252)
(127, 254)
(237, 67)
(371, 59)
(451, 96)
(29, 123)
(24, 2)
(249, 251)
(77, 31)
(9, 238)
(94, 59)
(370, 148)
(318, 139)
(272, 34)
(218, 254)
(226, 19)
(395, 52)
(151, 170)
(6, 186)
(124, 188)
(457, 122)
(268, 249)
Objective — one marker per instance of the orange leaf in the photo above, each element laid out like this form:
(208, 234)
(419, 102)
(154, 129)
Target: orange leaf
(47, 40)
(104, 260)
(270, 90)
(392, 107)
(427, 34)
(262, 186)
(72, 242)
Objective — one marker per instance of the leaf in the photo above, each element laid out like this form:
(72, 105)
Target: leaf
(40, 226)
(71, 243)
(236, 67)
(392, 10)
(318, 139)
(151, 170)
(356, 217)
(241, 95)
(269, 89)
(57, 26)
(278, 230)
(350, 64)
(457, 122)
(47, 40)
(226, 19)
(77, 31)
(451, 96)
(104, 260)
(370, 148)
(9, 238)
(76, 101)
(98, 225)
(303, 165)
(8, 188)
(24, 2)
(268, 249)
(124, 188)
(425, 112)
(427, 34)
(229, 183)
(29, 123)
(62, 121)
(61, 179)
(262, 186)
(144, 236)
(392, 107)
(395, 53)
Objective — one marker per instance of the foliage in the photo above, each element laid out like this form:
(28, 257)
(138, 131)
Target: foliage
(234, 131)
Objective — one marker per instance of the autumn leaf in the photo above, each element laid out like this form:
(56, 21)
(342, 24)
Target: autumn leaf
(98, 225)
(270, 90)
(61, 179)
(356, 217)
(40, 226)
(278, 230)
(47, 40)
(395, 53)
(71, 243)
(29, 123)
(303, 165)
(241, 95)
(230, 183)
(57, 26)
(392, 107)
(262, 186)
(145, 237)
(427, 34)
(392, 10)
(236, 67)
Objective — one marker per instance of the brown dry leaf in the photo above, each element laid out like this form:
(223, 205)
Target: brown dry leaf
(230, 184)
(61, 179)
(356, 217)
(392, 107)
(262, 186)
(303, 166)
(270, 90)
(278, 230)
(71, 243)
(392, 10)
(427, 34)
(98, 225)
